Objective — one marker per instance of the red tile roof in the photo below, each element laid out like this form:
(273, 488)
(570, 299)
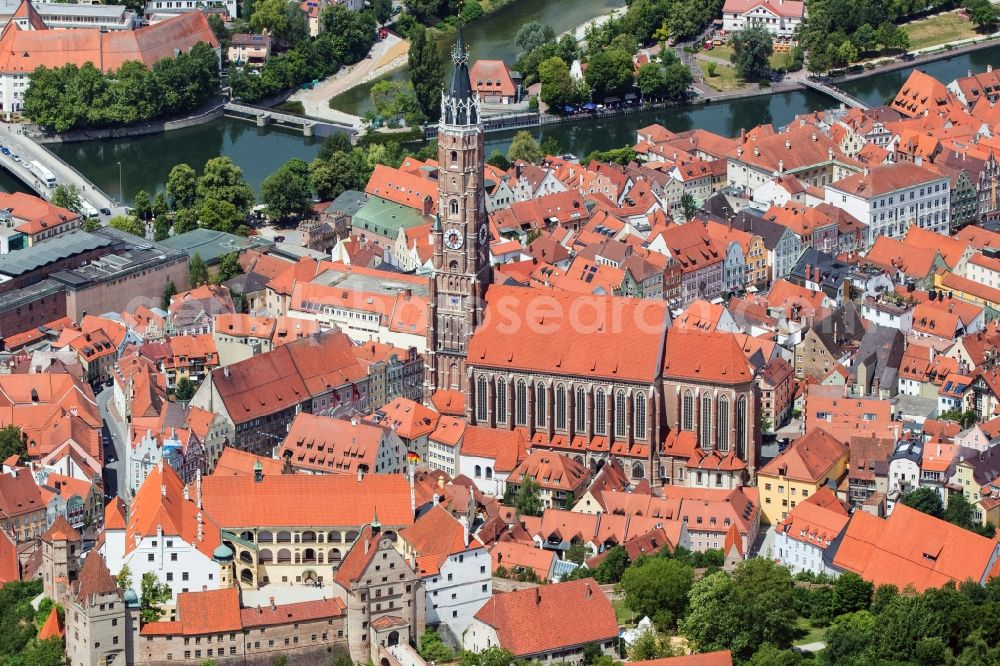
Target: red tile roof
(53, 627)
(548, 618)
(36, 214)
(336, 500)
(810, 458)
(913, 548)
(552, 471)
(885, 178)
(10, 566)
(333, 446)
(571, 334)
(199, 613)
(720, 658)
(434, 537)
(303, 611)
(704, 356)
(511, 554)
(491, 77)
(21, 51)
(234, 462)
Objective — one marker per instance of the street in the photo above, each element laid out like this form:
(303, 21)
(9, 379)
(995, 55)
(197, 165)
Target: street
(116, 443)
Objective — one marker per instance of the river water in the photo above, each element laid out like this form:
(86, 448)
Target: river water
(148, 159)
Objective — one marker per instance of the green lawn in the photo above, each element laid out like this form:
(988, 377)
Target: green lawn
(623, 614)
(725, 52)
(938, 29)
(806, 633)
(725, 77)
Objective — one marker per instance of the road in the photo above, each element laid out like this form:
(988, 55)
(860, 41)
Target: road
(27, 150)
(117, 441)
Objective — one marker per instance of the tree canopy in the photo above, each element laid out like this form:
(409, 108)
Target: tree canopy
(658, 588)
(68, 197)
(426, 72)
(286, 192)
(752, 49)
(525, 147)
(71, 97)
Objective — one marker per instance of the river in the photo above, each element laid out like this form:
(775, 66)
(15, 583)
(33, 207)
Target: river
(148, 159)
(493, 38)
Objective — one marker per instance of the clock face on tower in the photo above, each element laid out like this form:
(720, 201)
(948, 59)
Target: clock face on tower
(453, 239)
(483, 233)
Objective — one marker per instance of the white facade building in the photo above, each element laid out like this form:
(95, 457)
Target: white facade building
(779, 17)
(889, 198)
(456, 570)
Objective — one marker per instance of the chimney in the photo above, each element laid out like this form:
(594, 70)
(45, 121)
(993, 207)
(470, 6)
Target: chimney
(538, 596)
(756, 151)
(225, 372)
(739, 151)
(989, 68)
(361, 473)
(354, 420)
(197, 485)
(465, 529)
(788, 143)
(781, 166)
(814, 137)
(163, 489)
(273, 606)
(589, 592)
(187, 493)
(829, 153)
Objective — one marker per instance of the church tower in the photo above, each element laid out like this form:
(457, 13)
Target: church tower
(462, 270)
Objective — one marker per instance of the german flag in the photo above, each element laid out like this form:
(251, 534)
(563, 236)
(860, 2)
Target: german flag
(413, 457)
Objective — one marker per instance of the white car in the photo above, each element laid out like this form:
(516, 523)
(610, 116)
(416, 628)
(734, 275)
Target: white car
(15, 158)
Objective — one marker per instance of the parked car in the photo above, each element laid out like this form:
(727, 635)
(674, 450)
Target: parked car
(5, 150)
(15, 158)
(105, 211)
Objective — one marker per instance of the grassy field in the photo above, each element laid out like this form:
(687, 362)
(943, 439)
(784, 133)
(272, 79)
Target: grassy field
(938, 29)
(725, 52)
(805, 633)
(622, 614)
(725, 77)
(292, 107)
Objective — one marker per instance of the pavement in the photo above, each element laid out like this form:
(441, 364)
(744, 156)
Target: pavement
(386, 54)
(115, 437)
(27, 150)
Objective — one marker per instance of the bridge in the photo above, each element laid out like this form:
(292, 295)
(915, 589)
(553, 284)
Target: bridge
(264, 117)
(27, 150)
(834, 92)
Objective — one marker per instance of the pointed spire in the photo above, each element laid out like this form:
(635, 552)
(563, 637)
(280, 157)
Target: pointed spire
(437, 223)
(376, 525)
(459, 104)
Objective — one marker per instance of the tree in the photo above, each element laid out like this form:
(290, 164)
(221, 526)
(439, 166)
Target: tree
(533, 34)
(550, 145)
(677, 79)
(609, 72)
(396, 102)
(711, 68)
(648, 646)
(612, 567)
(558, 87)
(426, 73)
(491, 656)
(651, 80)
(182, 186)
(768, 655)
(382, 9)
(689, 207)
(68, 197)
(219, 215)
(284, 21)
(527, 500)
(851, 593)
(185, 220)
(983, 14)
(142, 205)
(197, 272)
(91, 224)
(524, 147)
(752, 49)
(658, 588)
(499, 160)
(129, 225)
(577, 553)
(432, 648)
(742, 612)
(336, 142)
(229, 267)
(12, 443)
(925, 500)
(286, 192)
(152, 595)
(960, 512)
(169, 290)
(161, 228)
(223, 180)
(184, 390)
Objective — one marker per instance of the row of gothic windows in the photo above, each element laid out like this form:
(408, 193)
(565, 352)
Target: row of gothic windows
(722, 414)
(561, 414)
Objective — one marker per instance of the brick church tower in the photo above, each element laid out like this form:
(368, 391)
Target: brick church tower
(462, 270)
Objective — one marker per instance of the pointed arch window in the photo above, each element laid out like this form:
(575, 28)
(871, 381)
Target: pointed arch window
(581, 409)
(705, 431)
(481, 398)
(501, 402)
(639, 415)
(453, 206)
(600, 413)
(687, 411)
(521, 403)
(560, 414)
(540, 420)
(620, 413)
(741, 427)
(722, 424)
